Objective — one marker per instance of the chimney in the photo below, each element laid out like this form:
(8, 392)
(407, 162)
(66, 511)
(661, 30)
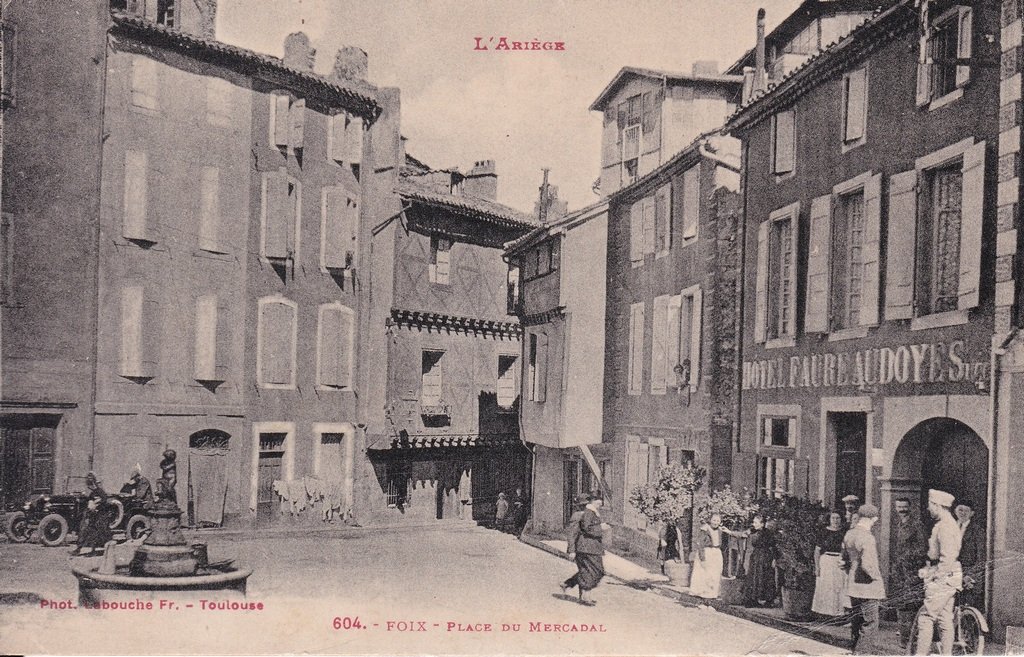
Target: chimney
(350, 64)
(385, 133)
(298, 52)
(482, 180)
(759, 63)
(705, 67)
(748, 84)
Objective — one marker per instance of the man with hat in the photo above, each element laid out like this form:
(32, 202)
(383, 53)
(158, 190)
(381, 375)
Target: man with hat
(864, 584)
(943, 578)
(972, 553)
(851, 503)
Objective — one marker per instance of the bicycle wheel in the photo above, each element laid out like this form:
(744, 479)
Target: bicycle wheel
(971, 632)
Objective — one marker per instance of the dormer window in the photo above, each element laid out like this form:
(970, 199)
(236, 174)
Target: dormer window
(165, 13)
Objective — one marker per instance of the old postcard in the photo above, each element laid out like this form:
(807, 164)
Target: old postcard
(577, 327)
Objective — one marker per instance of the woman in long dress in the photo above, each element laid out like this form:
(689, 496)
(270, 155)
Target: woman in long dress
(830, 584)
(759, 586)
(706, 579)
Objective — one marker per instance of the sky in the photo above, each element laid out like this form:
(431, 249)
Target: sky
(526, 110)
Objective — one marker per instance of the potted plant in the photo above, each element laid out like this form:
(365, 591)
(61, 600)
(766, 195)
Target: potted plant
(798, 521)
(668, 500)
(737, 509)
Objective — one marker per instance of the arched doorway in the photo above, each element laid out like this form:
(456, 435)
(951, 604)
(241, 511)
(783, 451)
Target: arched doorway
(947, 454)
(207, 477)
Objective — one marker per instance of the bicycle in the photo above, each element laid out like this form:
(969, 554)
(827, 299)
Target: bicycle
(969, 628)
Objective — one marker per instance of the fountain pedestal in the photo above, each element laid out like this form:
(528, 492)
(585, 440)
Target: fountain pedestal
(165, 552)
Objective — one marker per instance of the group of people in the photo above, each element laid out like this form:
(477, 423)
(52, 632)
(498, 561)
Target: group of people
(95, 531)
(511, 515)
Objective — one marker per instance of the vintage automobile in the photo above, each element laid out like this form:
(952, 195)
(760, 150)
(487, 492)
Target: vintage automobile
(53, 516)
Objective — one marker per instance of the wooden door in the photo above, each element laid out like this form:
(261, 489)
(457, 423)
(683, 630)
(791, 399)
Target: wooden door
(270, 470)
(26, 461)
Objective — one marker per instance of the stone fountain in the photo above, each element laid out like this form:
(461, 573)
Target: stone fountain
(163, 564)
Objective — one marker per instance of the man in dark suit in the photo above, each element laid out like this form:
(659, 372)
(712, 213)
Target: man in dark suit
(585, 535)
(972, 554)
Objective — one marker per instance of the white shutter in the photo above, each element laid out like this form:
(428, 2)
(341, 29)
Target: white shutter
(784, 142)
(696, 329)
(354, 140)
(145, 82)
(431, 383)
(346, 347)
(542, 367)
(659, 345)
(225, 340)
(131, 331)
(663, 219)
(924, 66)
(205, 357)
(672, 338)
(648, 225)
(871, 251)
(280, 125)
(337, 137)
(136, 195)
(209, 208)
(443, 261)
(819, 265)
(297, 117)
(794, 276)
(856, 103)
(276, 329)
(329, 349)
(901, 251)
(691, 202)
(761, 285)
(970, 225)
(965, 36)
(636, 248)
(334, 241)
(278, 216)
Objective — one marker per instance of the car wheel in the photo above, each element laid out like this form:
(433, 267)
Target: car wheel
(116, 512)
(16, 527)
(137, 526)
(53, 529)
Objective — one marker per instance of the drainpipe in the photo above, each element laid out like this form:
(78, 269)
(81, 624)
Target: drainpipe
(741, 236)
(997, 353)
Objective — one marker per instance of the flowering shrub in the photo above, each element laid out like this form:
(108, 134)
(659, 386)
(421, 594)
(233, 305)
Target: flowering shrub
(736, 509)
(667, 498)
(797, 522)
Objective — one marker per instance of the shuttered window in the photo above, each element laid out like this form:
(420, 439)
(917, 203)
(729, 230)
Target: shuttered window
(659, 345)
(784, 142)
(346, 138)
(212, 340)
(440, 260)
(136, 224)
(276, 333)
(691, 202)
(648, 224)
(945, 51)
(279, 215)
(140, 333)
(538, 367)
(287, 121)
(855, 96)
(431, 378)
(691, 335)
(340, 229)
(335, 346)
(209, 209)
(145, 83)
(635, 365)
(777, 275)
(507, 391)
(636, 233)
(663, 220)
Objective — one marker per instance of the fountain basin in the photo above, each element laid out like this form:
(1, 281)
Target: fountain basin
(95, 587)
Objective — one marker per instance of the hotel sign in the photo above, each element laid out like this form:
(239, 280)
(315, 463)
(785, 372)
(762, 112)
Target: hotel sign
(936, 362)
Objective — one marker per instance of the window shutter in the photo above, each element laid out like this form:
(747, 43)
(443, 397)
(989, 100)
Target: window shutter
(648, 225)
(337, 137)
(819, 264)
(443, 264)
(636, 348)
(225, 340)
(145, 82)
(335, 242)
(152, 327)
(691, 202)
(281, 125)
(136, 195)
(330, 346)
(297, 117)
(924, 67)
(696, 329)
(663, 219)
(901, 251)
(209, 208)
(652, 120)
(354, 140)
(784, 142)
(543, 353)
(131, 331)
(276, 320)
(610, 138)
(279, 215)
(205, 356)
(636, 248)
(431, 383)
(761, 285)
(346, 348)
(856, 103)
(794, 241)
(965, 36)
(871, 251)
(673, 319)
(971, 219)
(659, 345)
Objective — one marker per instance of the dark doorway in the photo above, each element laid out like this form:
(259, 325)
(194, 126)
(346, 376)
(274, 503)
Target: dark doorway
(27, 444)
(271, 459)
(850, 431)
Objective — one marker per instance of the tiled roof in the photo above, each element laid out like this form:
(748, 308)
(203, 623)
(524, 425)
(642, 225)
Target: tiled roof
(568, 221)
(722, 79)
(873, 32)
(465, 204)
(693, 147)
(356, 96)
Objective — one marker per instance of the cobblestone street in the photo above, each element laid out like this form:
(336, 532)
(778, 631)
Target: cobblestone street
(432, 575)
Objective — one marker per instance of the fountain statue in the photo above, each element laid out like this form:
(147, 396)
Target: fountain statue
(164, 562)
